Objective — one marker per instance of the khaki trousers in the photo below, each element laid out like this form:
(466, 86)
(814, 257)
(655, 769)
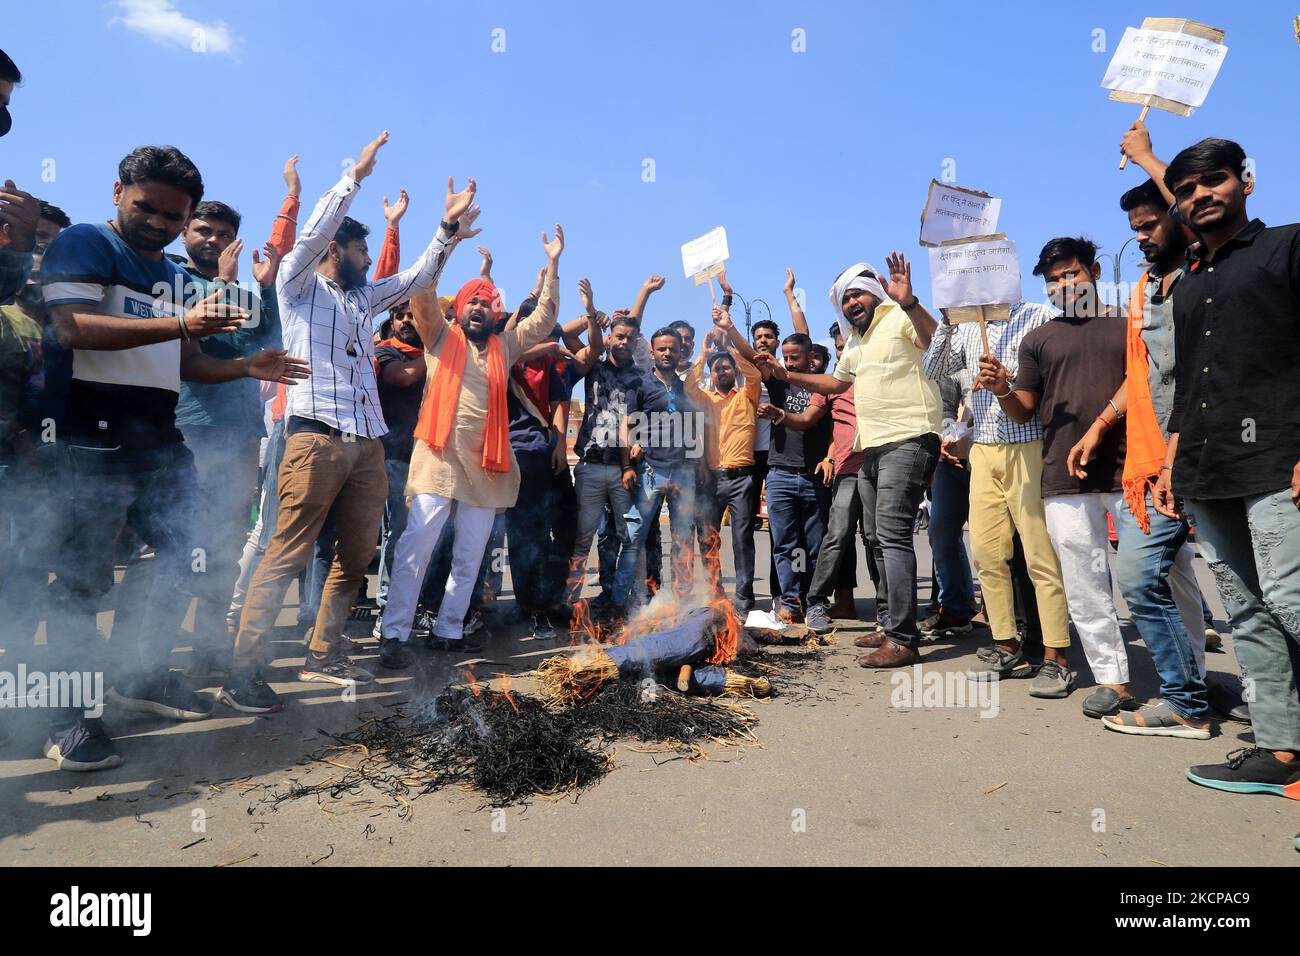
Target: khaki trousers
(1005, 498)
(319, 474)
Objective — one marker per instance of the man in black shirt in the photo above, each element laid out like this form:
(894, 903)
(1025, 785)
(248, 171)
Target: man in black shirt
(1234, 445)
(796, 497)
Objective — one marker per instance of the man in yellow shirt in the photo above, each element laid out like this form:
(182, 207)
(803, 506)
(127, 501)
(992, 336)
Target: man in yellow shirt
(900, 416)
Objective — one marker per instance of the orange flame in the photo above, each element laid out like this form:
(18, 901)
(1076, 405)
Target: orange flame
(473, 684)
(505, 689)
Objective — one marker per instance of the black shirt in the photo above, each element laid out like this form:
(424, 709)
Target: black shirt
(612, 393)
(801, 450)
(400, 404)
(1237, 366)
(668, 429)
(1075, 366)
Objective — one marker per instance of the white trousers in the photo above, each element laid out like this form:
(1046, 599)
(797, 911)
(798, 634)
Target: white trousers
(1077, 526)
(424, 523)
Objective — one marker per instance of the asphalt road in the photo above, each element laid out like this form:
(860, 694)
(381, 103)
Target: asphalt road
(842, 774)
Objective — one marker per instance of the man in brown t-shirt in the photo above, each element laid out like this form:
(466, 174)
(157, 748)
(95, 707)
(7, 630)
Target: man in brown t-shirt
(1069, 368)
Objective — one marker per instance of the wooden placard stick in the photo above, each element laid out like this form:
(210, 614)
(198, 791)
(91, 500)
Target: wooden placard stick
(1142, 118)
(984, 332)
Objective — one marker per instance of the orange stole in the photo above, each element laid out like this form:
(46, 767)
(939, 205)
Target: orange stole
(442, 397)
(1145, 443)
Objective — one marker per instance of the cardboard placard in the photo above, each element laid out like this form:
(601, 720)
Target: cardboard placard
(700, 255)
(1166, 63)
(976, 273)
(953, 213)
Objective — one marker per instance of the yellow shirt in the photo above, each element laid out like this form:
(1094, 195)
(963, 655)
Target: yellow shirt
(732, 417)
(893, 399)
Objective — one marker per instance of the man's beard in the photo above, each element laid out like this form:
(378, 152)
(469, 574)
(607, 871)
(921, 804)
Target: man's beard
(138, 237)
(351, 276)
(410, 336)
(477, 335)
(204, 259)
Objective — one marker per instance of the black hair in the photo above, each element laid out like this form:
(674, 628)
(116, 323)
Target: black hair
(386, 327)
(836, 331)
(212, 209)
(1064, 248)
(403, 306)
(1205, 157)
(765, 324)
(1148, 194)
(668, 331)
(527, 306)
(682, 324)
(9, 70)
(161, 164)
(798, 338)
(627, 320)
(713, 359)
(55, 215)
(349, 230)
(823, 351)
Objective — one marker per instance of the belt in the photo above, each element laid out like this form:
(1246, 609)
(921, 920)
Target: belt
(802, 472)
(298, 424)
(740, 472)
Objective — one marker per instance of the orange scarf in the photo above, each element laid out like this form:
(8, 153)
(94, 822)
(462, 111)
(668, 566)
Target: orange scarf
(442, 396)
(1145, 443)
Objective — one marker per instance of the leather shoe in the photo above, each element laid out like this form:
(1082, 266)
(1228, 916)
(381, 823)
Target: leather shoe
(871, 639)
(890, 654)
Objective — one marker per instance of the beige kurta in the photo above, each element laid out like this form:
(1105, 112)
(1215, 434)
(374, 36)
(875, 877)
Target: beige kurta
(457, 471)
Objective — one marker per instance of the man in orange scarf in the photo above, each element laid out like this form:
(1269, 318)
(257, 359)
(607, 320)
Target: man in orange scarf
(462, 455)
(1154, 564)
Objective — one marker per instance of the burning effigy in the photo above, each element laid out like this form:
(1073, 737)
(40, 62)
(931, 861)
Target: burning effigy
(675, 688)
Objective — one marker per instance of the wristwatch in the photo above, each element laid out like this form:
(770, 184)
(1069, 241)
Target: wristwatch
(450, 228)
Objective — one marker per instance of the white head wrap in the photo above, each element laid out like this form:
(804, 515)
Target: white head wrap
(860, 275)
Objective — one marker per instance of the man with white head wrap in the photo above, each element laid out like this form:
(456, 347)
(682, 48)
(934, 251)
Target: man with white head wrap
(900, 417)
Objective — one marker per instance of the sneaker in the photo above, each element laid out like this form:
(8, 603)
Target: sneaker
(209, 662)
(1157, 720)
(1002, 665)
(1104, 702)
(83, 747)
(334, 669)
(393, 655)
(473, 622)
(250, 695)
(170, 696)
(423, 624)
(1052, 681)
(1250, 770)
(818, 618)
(945, 624)
(541, 627)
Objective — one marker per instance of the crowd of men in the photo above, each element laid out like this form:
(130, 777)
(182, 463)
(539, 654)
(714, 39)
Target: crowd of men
(294, 428)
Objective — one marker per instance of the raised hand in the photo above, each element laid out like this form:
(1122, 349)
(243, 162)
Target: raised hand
(554, 246)
(900, 278)
(397, 210)
(722, 282)
(276, 365)
(584, 292)
(213, 316)
(264, 270)
(19, 212)
(653, 284)
(721, 319)
(366, 164)
(458, 203)
(291, 176)
(485, 270)
(789, 283)
(228, 262)
(1136, 144)
(467, 219)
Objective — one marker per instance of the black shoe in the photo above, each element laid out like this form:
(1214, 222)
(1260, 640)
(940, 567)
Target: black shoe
(393, 655)
(945, 624)
(466, 645)
(1227, 702)
(250, 695)
(209, 662)
(82, 747)
(423, 624)
(1250, 770)
(542, 627)
(170, 696)
(333, 669)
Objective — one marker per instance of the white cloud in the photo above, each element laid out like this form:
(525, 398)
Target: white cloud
(161, 22)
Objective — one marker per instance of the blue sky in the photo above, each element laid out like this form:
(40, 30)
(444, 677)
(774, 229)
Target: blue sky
(811, 159)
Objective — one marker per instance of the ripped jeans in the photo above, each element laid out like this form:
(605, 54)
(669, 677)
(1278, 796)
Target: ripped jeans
(1253, 547)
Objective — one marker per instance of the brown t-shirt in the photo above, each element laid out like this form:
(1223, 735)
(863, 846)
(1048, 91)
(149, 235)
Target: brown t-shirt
(1075, 366)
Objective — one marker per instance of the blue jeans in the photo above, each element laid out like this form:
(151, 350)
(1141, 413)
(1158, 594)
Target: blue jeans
(892, 483)
(1253, 547)
(949, 509)
(795, 503)
(1143, 567)
(394, 523)
(676, 486)
(595, 487)
(838, 546)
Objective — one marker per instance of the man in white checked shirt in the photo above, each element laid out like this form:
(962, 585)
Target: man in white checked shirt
(333, 458)
(1006, 461)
